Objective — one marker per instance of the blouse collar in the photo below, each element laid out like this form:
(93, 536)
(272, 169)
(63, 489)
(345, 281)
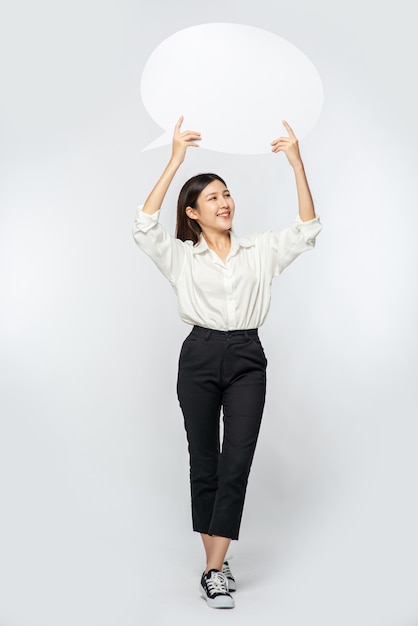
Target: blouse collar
(236, 244)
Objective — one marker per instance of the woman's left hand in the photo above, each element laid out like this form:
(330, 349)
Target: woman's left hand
(289, 145)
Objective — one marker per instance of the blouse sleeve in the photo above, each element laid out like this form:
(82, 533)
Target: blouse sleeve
(167, 252)
(284, 246)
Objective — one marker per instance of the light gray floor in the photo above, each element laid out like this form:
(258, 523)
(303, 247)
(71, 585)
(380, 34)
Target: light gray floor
(123, 555)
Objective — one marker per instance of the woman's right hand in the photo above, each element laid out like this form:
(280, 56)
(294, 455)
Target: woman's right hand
(182, 141)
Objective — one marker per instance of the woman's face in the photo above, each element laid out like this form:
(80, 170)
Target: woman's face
(215, 208)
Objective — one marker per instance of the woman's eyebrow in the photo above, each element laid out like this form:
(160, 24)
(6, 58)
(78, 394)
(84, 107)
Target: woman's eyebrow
(216, 193)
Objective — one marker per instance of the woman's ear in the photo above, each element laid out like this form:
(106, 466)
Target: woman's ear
(192, 213)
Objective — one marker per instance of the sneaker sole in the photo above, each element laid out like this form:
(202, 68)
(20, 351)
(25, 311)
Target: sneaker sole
(220, 602)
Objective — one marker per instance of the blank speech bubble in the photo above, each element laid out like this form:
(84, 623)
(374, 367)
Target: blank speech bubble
(234, 84)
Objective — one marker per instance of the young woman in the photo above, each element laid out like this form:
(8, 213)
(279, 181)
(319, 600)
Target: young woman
(223, 286)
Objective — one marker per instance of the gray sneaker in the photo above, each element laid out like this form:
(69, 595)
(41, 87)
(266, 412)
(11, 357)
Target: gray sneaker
(214, 589)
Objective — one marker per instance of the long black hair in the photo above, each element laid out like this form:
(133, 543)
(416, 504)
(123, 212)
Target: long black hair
(186, 227)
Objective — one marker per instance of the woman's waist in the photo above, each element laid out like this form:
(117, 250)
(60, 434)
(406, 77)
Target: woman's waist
(224, 335)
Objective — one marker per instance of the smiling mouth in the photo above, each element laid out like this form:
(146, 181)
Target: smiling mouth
(224, 214)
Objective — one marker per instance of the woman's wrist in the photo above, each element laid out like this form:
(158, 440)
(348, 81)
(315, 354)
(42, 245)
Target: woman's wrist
(175, 161)
(298, 166)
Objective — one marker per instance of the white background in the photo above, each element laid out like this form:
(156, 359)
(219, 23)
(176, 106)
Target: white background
(95, 524)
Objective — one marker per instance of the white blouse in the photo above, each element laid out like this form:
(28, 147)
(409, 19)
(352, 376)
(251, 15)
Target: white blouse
(234, 295)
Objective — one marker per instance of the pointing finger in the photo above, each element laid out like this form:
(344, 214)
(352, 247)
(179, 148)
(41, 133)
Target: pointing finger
(289, 129)
(179, 123)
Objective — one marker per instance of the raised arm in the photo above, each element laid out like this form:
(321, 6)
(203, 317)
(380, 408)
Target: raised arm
(289, 145)
(181, 141)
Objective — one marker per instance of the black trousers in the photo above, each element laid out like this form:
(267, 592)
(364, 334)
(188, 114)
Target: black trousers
(221, 370)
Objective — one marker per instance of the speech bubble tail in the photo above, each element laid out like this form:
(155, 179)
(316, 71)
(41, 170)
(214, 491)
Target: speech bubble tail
(163, 140)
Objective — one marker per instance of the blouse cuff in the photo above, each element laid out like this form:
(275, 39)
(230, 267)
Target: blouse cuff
(144, 221)
(309, 229)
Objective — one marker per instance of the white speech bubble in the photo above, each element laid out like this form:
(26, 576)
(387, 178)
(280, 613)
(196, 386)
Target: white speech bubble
(234, 84)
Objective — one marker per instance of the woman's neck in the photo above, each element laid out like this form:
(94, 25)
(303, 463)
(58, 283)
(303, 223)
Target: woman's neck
(218, 242)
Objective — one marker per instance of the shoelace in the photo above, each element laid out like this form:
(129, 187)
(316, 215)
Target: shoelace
(217, 583)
